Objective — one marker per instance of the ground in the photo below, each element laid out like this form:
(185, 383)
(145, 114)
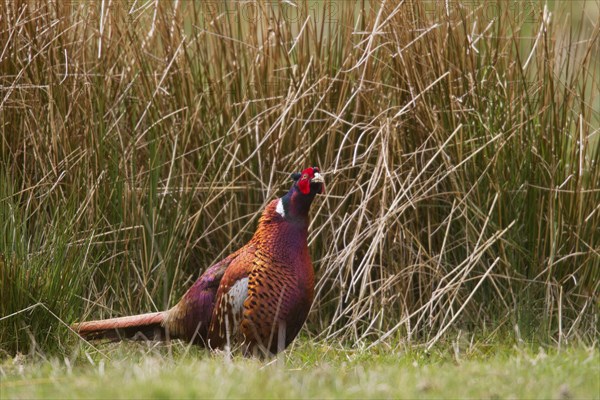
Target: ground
(307, 371)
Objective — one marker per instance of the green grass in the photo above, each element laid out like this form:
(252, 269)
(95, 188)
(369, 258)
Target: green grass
(309, 371)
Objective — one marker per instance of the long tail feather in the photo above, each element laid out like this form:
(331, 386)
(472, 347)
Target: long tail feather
(135, 327)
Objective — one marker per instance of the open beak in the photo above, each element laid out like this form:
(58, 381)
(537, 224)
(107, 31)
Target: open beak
(318, 178)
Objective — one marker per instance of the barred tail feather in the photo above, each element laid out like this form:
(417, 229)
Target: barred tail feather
(135, 327)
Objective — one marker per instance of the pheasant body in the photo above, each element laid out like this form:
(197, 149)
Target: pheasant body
(258, 297)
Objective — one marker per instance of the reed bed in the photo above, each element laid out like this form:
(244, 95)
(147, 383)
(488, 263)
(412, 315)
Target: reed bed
(460, 142)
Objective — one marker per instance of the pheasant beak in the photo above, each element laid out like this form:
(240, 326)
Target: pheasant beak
(318, 178)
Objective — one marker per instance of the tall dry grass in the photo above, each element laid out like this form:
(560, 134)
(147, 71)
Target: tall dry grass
(139, 140)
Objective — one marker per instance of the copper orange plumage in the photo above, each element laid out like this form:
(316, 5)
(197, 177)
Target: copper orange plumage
(258, 297)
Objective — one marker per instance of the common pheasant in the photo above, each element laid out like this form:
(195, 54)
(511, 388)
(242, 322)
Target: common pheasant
(258, 297)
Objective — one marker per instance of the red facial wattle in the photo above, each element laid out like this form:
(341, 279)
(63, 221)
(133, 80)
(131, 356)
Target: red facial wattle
(304, 182)
(304, 186)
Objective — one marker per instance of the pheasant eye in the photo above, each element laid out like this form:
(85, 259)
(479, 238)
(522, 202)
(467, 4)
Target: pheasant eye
(305, 176)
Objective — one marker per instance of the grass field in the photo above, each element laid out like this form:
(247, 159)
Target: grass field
(460, 142)
(311, 371)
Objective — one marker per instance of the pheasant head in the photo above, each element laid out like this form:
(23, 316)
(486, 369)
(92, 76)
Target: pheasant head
(296, 203)
(309, 181)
